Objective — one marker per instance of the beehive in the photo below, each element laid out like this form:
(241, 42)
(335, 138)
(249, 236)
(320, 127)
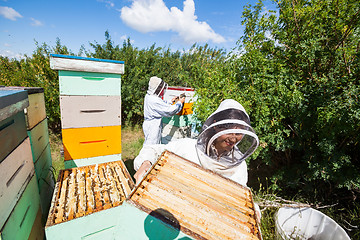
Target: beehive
(183, 124)
(86, 200)
(37, 130)
(19, 194)
(90, 105)
(197, 203)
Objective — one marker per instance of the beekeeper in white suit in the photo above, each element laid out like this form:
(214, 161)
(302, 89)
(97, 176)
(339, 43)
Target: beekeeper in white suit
(155, 108)
(224, 143)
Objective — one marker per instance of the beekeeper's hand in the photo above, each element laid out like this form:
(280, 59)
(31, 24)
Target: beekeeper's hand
(175, 99)
(145, 166)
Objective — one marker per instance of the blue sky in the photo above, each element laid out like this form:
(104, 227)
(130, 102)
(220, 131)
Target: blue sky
(177, 24)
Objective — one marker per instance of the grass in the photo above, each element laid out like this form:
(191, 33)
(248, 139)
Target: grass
(56, 156)
(132, 141)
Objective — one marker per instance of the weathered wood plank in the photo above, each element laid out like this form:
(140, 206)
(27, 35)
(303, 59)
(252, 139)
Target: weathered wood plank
(36, 112)
(12, 102)
(12, 133)
(90, 111)
(73, 63)
(22, 218)
(15, 172)
(81, 204)
(46, 188)
(43, 164)
(37, 231)
(39, 139)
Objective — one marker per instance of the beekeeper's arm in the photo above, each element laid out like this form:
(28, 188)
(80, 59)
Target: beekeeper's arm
(146, 158)
(163, 109)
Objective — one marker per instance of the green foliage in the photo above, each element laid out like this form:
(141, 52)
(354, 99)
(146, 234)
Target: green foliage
(35, 71)
(299, 73)
(296, 73)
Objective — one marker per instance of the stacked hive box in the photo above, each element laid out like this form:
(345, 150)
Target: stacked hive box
(87, 200)
(182, 124)
(37, 130)
(90, 101)
(20, 211)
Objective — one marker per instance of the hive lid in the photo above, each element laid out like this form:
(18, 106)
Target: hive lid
(204, 204)
(30, 90)
(83, 64)
(12, 102)
(85, 190)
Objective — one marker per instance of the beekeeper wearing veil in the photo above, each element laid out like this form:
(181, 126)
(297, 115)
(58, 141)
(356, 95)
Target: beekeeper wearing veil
(225, 141)
(155, 108)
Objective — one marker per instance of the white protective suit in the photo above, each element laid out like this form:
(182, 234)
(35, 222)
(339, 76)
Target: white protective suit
(230, 117)
(154, 109)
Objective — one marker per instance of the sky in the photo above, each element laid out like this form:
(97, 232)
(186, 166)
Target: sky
(176, 24)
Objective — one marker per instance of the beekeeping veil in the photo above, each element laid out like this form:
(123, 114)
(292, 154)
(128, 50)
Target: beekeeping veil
(229, 118)
(156, 86)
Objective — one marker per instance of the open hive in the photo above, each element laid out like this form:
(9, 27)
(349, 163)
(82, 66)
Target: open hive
(89, 189)
(201, 203)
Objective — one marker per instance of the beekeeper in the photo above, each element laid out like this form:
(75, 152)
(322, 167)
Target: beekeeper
(155, 108)
(225, 141)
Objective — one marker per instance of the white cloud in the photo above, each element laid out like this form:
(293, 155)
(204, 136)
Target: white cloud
(153, 15)
(109, 4)
(125, 37)
(35, 22)
(9, 13)
(10, 54)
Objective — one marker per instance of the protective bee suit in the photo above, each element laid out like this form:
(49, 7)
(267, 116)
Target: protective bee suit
(230, 119)
(155, 108)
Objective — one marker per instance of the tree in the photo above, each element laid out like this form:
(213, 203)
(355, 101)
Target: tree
(299, 73)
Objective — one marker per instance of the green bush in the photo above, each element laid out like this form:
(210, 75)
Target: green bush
(297, 75)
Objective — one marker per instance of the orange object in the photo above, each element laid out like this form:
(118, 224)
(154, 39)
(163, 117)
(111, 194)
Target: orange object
(187, 109)
(91, 142)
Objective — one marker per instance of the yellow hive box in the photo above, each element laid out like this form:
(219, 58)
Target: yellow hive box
(91, 142)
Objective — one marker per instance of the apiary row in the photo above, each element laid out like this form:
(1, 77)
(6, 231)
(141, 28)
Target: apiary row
(27, 182)
(90, 105)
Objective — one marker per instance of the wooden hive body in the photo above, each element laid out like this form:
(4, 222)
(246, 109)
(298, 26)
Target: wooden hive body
(90, 105)
(37, 130)
(197, 203)
(86, 201)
